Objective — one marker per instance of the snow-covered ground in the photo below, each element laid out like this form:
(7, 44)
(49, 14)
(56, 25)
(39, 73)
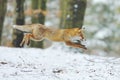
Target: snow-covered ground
(55, 64)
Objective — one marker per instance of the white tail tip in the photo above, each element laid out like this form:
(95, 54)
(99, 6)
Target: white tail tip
(14, 26)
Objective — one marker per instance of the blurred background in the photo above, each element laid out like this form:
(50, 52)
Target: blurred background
(100, 18)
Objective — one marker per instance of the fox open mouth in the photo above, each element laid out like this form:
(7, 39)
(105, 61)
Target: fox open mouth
(76, 39)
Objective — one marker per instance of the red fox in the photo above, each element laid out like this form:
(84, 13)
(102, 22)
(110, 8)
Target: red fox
(38, 32)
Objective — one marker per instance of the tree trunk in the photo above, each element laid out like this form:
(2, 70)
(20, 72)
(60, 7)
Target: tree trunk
(40, 18)
(2, 15)
(72, 13)
(18, 35)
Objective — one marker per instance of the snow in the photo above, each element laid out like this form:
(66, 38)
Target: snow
(96, 42)
(55, 64)
(103, 33)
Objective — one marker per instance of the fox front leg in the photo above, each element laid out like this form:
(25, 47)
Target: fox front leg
(75, 45)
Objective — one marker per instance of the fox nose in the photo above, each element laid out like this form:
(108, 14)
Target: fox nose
(81, 39)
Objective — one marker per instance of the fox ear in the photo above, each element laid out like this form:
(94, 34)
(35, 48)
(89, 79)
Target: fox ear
(80, 30)
(76, 29)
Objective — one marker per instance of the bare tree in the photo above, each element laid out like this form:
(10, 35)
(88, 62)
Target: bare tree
(18, 35)
(39, 18)
(72, 13)
(2, 15)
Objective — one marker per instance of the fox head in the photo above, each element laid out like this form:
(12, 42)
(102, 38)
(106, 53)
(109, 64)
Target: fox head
(78, 32)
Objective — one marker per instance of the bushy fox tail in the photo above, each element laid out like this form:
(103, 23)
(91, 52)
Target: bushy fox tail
(24, 28)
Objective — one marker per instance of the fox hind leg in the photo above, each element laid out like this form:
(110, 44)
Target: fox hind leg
(26, 39)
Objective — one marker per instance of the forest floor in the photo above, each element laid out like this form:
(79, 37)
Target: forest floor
(55, 64)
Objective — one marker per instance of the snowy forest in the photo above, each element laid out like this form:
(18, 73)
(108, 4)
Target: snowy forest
(49, 60)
